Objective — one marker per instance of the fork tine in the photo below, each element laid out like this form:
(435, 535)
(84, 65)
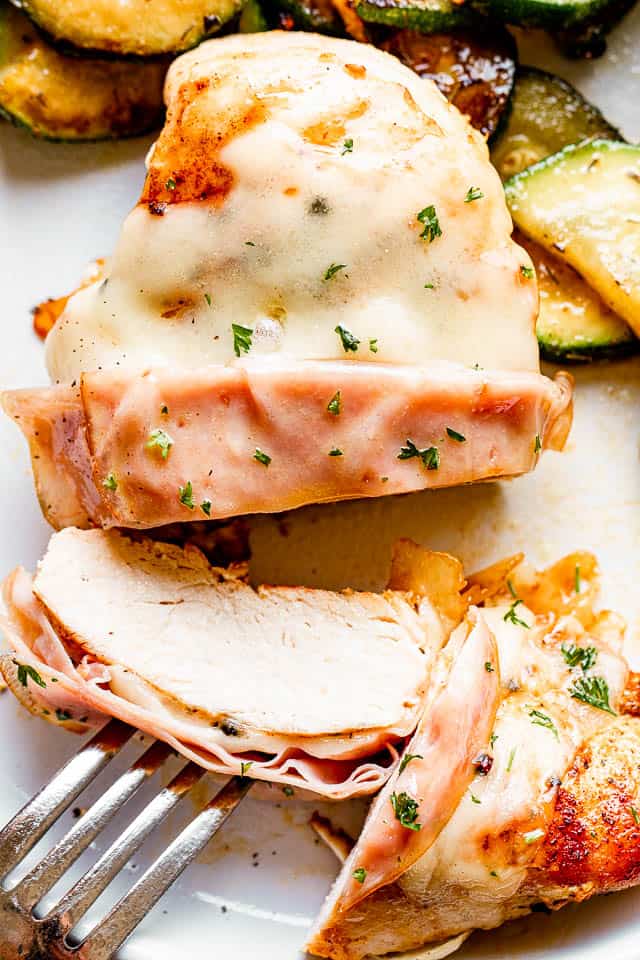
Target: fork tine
(133, 907)
(22, 833)
(48, 871)
(88, 888)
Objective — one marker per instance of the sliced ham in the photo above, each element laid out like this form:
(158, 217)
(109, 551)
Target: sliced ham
(257, 436)
(304, 687)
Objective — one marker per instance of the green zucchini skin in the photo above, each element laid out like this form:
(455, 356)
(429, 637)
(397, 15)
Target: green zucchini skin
(474, 69)
(546, 114)
(426, 16)
(549, 15)
(65, 99)
(252, 18)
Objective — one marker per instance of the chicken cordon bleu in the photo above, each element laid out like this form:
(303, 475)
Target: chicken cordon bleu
(317, 297)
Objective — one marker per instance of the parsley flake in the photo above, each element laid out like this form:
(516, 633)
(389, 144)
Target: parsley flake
(511, 759)
(429, 286)
(576, 579)
(407, 758)
(62, 714)
(347, 147)
(488, 666)
(160, 440)
(430, 456)
(634, 814)
(334, 404)
(333, 269)
(473, 193)
(429, 219)
(512, 617)
(594, 691)
(474, 799)
(493, 738)
(527, 272)
(249, 243)
(164, 409)
(359, 874)
(262, 457)
(406, 810)
(492, 873)
(533, 835)
(185, 495)
(373, 345)
(349, 342)
(241, 338)
(207, 297)
(170, 184)
(110, 482)
(25, 670)
(542, 720)
(537, 444)
(205, 506)
(287, 790)
(244, 766)
(454, 435)
(576, 656)
(336, 452)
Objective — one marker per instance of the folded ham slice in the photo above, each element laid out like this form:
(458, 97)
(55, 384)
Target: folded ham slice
(258, 436)
(308, 688)
(547, 810)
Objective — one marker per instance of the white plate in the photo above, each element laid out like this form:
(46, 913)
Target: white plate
(62, 205)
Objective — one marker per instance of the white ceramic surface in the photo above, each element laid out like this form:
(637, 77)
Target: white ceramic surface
(258, 885)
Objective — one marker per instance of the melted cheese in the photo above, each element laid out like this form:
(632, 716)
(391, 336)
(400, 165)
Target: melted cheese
(252, 196)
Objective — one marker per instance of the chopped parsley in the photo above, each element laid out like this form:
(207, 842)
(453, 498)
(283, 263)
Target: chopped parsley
(454, 435)
(347, 147)
(185, 495)
(512, 617)
(110, 482)
(533, 835)
(170, 184)
(160, 440)
(488, 666)
(577, 583)
(473, 193)
(359, 874)
(512, 590)
(474, 799)
(430, 456)
(634, 814)
(537, 444)
(334, 405)
(244, 766)
(205, 506)
(349, 342)
(527, 272)
(542, 720)
(287, 790)
(576, 656)
(241, 338)
(406, 810)
(594, 691)
(249, 243)
(164, 409)
(429, 286)
(207, 297)
(262, 457)
(511, 759)
(492, 873)
(493, 738)
(336, 452)
(429, 219)
(407, 758)
(62, 714)
(333, 269)
(373, 345)
(24, 671)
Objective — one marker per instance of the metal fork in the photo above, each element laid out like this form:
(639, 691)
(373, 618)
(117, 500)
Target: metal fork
(26, 936)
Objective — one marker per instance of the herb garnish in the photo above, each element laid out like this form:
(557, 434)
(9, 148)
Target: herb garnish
(62, 714)
(164, 409)
(511, 759)
(241, 338)
(110, 482)
(334, 404)
(349, 342)
(512, 617)
(527, 272)
(576, 656)
(262, 457)
(634, 814)
(406, 810)
(576, 579)
(474, 799)
(454, 435)
(429, 286)
(347, 147)
(359, 874)
(205, 506)
(542, 720)
(287, 790)
(170, 184)
(25, 670)
(493, 738)
(373, 345)
(407, 758)
(185, 495)
(537, 444)
(333, 269)
(429, 219)
(430, 456)
(161, 440)
(533, 835)
(488, 666)
(594, 691)
(244, 766)
(207, 297)
(249, 243)
(336, 452)
(473, 193)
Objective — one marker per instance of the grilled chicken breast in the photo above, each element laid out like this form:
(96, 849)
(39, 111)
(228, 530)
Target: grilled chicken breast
(317, 292)
(543, 813)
